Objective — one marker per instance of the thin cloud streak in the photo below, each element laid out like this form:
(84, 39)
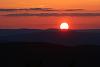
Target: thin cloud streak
(36, 9)
(55, 14)
(75, 10)
(42, 9)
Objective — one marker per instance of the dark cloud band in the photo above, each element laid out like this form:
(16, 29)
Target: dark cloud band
(55, 14)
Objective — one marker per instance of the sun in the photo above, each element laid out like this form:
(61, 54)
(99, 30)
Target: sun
(64, 26)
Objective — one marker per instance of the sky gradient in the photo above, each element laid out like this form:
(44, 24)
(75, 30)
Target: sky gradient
(57, 4)
(48, 14)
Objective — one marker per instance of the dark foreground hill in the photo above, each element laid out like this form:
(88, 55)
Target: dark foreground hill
(49, 48)
(48, 55)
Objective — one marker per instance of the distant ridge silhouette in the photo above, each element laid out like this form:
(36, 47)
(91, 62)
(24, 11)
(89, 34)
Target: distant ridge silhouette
(51, 36)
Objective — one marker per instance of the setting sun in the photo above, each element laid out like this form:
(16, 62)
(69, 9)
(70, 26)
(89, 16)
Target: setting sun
(64, 25)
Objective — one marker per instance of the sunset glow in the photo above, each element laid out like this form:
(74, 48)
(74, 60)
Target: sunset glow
(65, 4)
(64, 26)
(49, 14)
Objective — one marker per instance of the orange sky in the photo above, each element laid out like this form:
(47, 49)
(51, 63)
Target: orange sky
(58, 4)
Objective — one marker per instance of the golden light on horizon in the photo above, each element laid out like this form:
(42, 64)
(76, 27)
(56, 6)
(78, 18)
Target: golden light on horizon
(64, 26)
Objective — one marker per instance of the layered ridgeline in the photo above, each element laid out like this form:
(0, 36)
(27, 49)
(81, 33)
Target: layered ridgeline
(54, 36)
